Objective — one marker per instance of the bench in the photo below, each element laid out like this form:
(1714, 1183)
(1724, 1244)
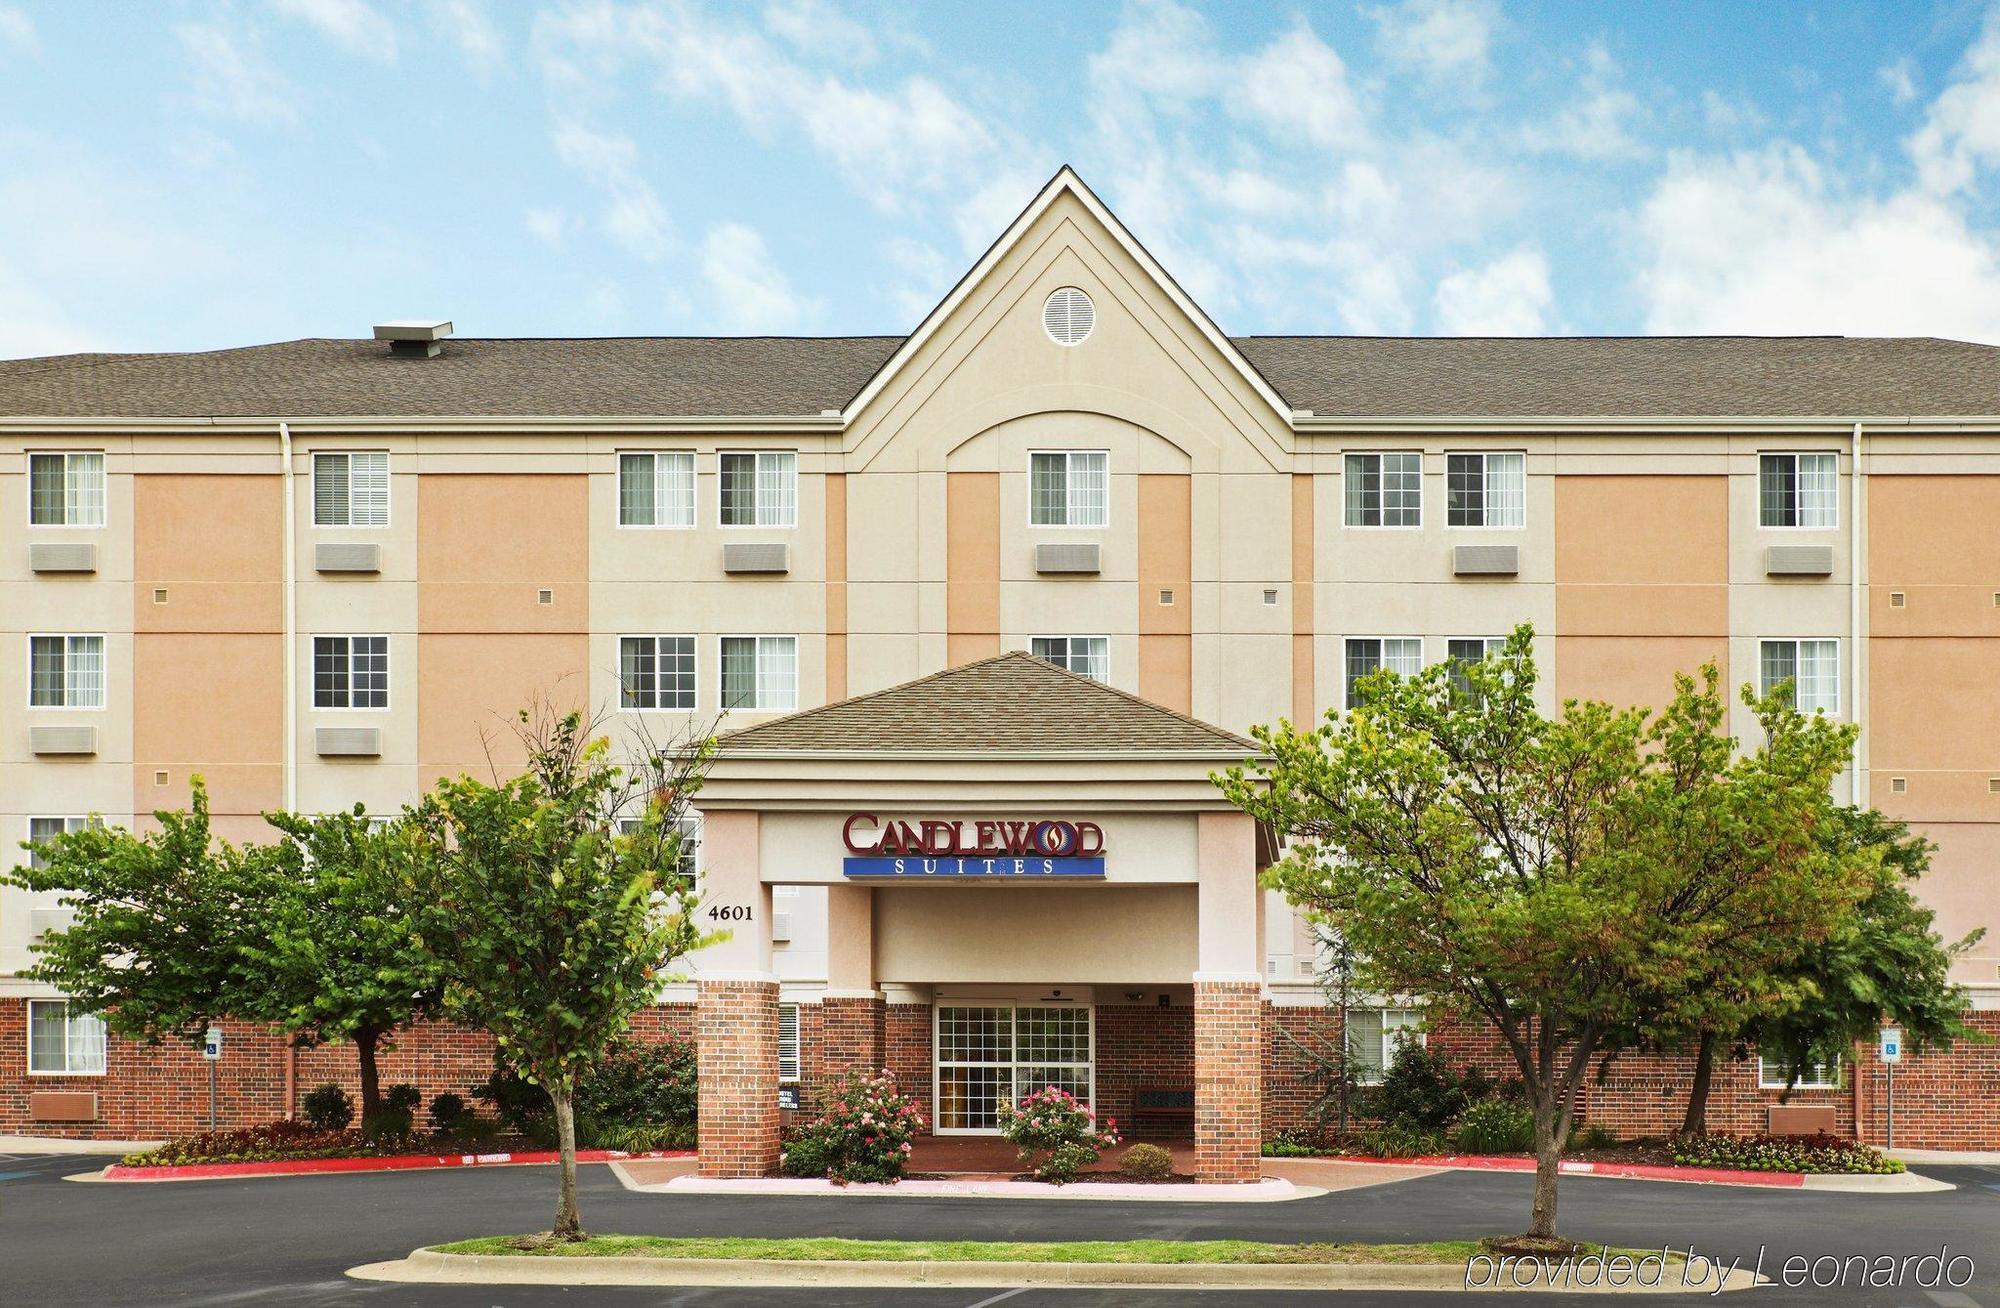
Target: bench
(1163, 1111)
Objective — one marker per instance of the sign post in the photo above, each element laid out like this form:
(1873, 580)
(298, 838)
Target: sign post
(211, 1049)
(1890, 1050)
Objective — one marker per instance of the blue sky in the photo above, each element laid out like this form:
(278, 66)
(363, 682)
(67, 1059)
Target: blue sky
(188, 176)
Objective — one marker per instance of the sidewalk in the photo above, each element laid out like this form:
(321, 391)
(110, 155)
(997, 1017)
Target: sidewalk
(49, 1144)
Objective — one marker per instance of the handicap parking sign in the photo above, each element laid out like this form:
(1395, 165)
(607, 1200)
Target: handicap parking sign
(1891, 1048)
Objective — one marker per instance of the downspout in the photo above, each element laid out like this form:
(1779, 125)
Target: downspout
(1857, 623)
(291, 626)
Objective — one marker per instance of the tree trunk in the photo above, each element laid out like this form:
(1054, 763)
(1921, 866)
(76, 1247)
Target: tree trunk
(1548, 1164)
(1695, 1120)
(365, 1041)
(569, 1226)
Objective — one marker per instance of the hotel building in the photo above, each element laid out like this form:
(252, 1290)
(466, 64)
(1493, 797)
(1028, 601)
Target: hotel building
(1027, 574)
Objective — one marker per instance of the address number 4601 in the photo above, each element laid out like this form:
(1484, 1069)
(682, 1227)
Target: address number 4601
(729, 912)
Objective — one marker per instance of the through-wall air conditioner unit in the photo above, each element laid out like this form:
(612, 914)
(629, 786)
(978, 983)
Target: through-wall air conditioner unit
(62, 556)
(1066, 558)
(1485, 560)
(347, 742)
(1798, 561)
(755, 556)
(781, 926)
(347, 556)
(62, 740)
(43, 921)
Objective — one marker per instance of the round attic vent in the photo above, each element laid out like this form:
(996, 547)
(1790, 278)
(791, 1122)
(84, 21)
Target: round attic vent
(1068, 316)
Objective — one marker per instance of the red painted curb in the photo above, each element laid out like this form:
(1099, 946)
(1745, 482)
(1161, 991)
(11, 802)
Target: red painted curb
(393, 1163)
(1617, 1171)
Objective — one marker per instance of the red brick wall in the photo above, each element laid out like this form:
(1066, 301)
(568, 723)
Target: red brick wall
(906, 1051)
(1944, 1100)
(1141, 1047)
(1229, 1052)
(736, 1030)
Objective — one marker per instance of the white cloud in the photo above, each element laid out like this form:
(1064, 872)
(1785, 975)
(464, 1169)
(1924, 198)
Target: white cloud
(818, 29)
(350, 24)
(468, 25)
(1297, 84)
(1731, 114)
(751, 292)
(1596, 125)
(549, 226)
(230, 78)
(923, 273)
(32, 324)
(1961, 132)
(1765, 242)
(1900, 78)
(633, 216)
(1508, 296)
(17, 31)
(1448, 41)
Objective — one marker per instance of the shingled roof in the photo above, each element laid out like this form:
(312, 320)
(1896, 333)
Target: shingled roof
(1013, 704)
(710, 376)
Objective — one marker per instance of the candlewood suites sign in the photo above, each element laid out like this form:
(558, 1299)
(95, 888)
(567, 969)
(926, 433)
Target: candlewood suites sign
(984, 847)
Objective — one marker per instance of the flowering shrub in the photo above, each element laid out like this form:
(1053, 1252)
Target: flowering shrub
(293, 1141)
(1057, 1135)
(864, 1134)
(1780, 1153)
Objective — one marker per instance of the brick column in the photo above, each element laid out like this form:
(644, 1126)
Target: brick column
(736, 1042)
(1228, 1080)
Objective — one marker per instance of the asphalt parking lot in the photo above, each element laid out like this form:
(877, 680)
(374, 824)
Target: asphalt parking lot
(288, 1241)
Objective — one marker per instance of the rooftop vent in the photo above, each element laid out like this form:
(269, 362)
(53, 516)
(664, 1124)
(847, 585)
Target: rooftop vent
(414, 338)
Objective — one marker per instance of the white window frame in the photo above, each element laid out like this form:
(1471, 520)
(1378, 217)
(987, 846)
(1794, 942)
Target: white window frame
(690, 829)
(104, 671)
(1816, 1078)
(312, 491)
(1409, 1020)
(103, 490)
(1798, 496)
(1489, 645)
(70, 822)
(1382, 508)
(1485, 458)
(693, 492)
(758, 506)
(1382, 662)
(721, 691)
(1795, 642)
(788, 1012)
(1069, 522)
(388, 672)
(1069, 654)
(103, 1047)
(1014, 1063)
(694, 671)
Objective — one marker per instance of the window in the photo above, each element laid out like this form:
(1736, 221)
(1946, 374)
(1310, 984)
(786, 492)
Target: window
(48, 828)
(1485, 490)
(760, 672)
(1384, 490)
(656, 672)
(1461, 650)
(62, 1043)
(1373, 1035)
(687, 858)
(66, 672)
(1366, 654)
(1812, 666)
(1087, 656)
(66, 490)
(788, 1042)
(760, 490)
(657, 490)
(1069, 488)
(351, 489)
(1798, 490)
(351, 672)
(1817, 1076)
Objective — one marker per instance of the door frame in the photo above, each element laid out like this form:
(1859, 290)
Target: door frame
(1011, 1000)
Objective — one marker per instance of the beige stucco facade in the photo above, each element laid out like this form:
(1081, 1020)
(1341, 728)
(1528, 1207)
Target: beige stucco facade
(1227, 586)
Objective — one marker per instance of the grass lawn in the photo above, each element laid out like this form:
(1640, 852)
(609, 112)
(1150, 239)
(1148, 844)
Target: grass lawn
(982, 1251)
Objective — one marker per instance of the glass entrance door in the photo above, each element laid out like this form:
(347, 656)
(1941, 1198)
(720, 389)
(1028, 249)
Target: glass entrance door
(993, 1054)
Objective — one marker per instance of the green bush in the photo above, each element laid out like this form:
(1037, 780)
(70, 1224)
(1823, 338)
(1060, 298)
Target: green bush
(864, 1135)
(807, 1152)
(638, 1090)
(402, 1096)
(521, 1105)
(1147, 1162)
(1596, 1135)
(1402, 1142)
(1494, 1126)
(449, 1111)
(328, 1108)
(388, 1123)
(642, 1137)
(1060, 1165)
(1780, 1153)
(1057, 1135)
(1422, 1091)
(1288, 1149)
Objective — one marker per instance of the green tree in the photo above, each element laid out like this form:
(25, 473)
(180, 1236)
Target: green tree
(156, 946)
(336, 950)
(1511, 866)
(553, 926)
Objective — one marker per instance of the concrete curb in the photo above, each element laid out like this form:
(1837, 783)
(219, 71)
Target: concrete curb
(51, 1144)
(1268, 1190)
(348, 1166)
(1845, 1182)
(1893, 1183)
(429, 1267)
